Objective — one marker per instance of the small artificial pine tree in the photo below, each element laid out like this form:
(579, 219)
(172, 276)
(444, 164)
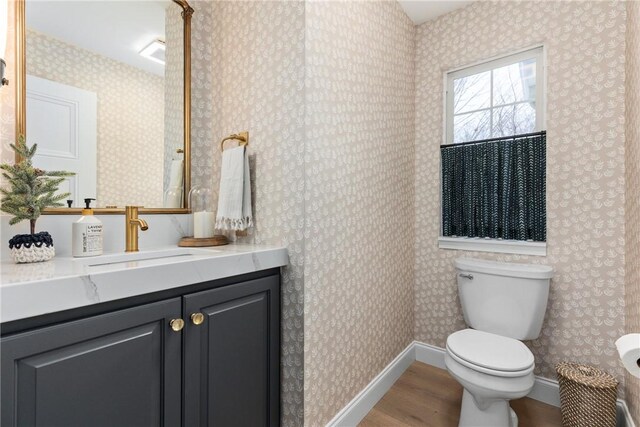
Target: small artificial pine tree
(31, 189)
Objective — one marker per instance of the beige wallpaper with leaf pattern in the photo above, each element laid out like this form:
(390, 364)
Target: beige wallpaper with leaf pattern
(130, 118)
(173, 89)
(359, 198)
(202, 96)
(342, 196)
(264, 76)
(585, 44)
(632, 159)
(255, 51)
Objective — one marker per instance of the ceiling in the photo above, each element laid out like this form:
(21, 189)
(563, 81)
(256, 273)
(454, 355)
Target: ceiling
(115, 29)
(421, 11)
(120, 29)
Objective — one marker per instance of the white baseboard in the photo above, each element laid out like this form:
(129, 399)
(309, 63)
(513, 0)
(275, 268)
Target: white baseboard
(624, 416)
(544, 390)
(430, 354)
(364, 402)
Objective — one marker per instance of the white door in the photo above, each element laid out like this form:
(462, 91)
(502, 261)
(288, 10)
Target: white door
(62, 120)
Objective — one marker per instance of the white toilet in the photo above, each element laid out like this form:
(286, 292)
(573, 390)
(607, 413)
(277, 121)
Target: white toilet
(503, 303)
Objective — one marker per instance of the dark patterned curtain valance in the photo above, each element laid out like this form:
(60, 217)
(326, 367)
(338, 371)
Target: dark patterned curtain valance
(495, 188)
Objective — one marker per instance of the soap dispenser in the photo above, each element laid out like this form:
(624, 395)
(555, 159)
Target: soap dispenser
(87, 233)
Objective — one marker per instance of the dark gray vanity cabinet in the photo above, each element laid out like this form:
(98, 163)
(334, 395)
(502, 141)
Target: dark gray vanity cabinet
(232, 357)
(129, 367)
(115, 369)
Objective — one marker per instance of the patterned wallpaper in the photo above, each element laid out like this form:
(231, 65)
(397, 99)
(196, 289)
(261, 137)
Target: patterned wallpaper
(202, 96)
(130, 117)
(173, 88)
(585, 170)
(359, 198)
(341, 194)
(632, 158)
(257, 58)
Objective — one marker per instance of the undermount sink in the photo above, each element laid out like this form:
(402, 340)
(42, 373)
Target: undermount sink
(164, 255)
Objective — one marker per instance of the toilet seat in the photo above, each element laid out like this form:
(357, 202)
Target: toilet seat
(490, 353)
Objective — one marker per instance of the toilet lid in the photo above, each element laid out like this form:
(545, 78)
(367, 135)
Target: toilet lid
(490, 351)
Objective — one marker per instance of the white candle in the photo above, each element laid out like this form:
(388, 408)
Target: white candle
(203, 224)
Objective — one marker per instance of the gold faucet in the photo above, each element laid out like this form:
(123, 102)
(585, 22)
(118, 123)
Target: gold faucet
(131, 224)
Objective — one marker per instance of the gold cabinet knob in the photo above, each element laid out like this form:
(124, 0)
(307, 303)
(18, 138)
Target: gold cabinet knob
(197, 318)
(176, 324)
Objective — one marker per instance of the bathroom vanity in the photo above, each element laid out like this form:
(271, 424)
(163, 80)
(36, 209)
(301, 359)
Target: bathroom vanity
(179, 338)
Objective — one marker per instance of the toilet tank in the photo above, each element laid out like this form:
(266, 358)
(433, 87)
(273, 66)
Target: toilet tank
(503, 298)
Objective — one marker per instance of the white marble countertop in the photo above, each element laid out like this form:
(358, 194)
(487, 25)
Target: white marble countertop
(28, 290)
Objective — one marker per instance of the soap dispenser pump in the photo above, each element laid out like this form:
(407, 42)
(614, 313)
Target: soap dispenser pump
(87, 233)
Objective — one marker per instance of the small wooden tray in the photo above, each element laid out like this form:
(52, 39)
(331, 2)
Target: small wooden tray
(192, 242)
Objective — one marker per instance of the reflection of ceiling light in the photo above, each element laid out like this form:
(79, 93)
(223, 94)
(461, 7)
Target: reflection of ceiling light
(154, 51)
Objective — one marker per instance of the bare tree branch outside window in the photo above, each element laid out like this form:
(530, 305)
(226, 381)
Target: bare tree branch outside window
(495, 103)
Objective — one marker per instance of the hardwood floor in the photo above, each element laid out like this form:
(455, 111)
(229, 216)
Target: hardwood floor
(428, 396)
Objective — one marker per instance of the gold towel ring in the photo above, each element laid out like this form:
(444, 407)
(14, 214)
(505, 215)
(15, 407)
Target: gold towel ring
(242, 138)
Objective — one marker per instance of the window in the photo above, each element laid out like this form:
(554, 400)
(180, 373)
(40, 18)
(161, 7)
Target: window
(503, 97)
(494, 157)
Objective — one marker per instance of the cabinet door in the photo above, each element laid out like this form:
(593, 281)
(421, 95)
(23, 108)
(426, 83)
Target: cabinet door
(117, 369)
(232, 359)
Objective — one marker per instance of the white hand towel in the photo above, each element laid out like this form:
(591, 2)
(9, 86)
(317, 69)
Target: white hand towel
(175, 174)
(234, 198)
(173, 195)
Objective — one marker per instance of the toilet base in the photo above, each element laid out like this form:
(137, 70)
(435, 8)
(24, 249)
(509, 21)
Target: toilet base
(496, 413)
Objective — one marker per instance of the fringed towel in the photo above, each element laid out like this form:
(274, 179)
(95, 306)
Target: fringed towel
(173, 194)
(234, 200)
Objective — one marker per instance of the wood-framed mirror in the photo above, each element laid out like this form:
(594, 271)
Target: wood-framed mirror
(108, 99)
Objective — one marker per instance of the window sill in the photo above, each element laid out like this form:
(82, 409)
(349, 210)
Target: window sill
(493, 245)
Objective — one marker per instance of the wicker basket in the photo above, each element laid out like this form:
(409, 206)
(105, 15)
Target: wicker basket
(26, 248)
(587, 396)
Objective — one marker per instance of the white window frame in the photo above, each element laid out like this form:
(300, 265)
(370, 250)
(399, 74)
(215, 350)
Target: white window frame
(537, 52)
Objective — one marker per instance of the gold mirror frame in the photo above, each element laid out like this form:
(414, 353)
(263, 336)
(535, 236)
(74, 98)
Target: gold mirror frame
(21, 111)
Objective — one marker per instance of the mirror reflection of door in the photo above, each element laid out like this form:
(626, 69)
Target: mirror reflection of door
(62, 121)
